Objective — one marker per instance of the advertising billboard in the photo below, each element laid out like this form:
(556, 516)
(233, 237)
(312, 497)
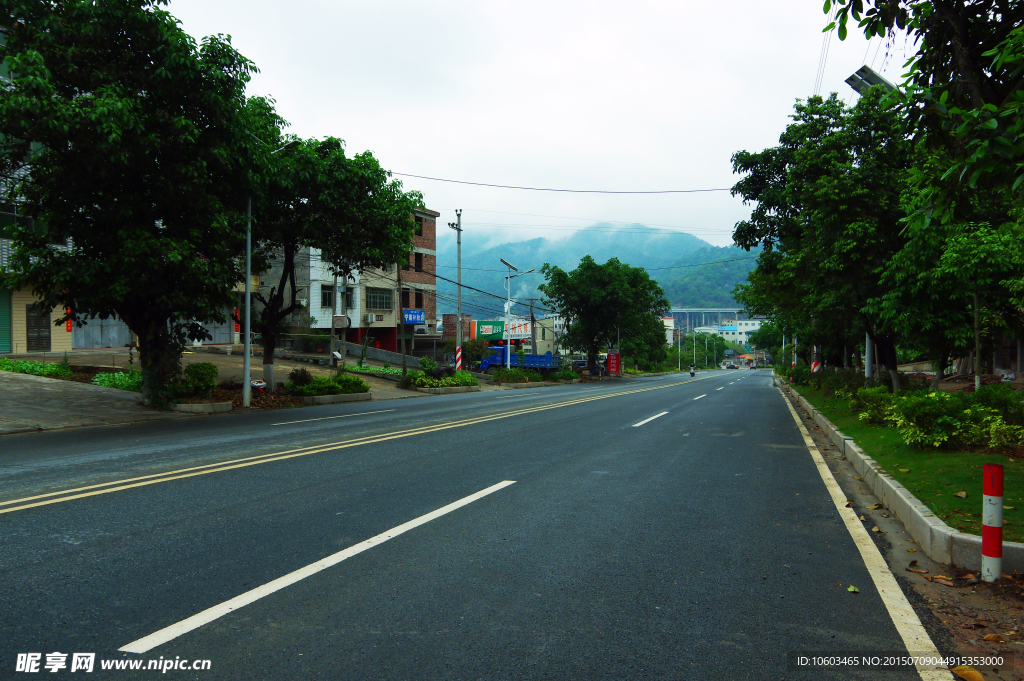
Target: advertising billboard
(494, 330)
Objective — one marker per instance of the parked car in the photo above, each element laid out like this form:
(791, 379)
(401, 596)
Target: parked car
(732, 366)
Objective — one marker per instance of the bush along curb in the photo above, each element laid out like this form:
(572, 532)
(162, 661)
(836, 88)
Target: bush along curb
(939, 541)
(210, 408)
(450, 390)
(332, 399)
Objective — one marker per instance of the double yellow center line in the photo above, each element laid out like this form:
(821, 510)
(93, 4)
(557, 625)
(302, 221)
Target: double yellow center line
(142, 481)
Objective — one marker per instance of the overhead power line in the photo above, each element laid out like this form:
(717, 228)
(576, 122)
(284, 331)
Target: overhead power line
(569, 191)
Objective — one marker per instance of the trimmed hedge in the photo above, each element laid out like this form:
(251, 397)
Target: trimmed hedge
(342, 384)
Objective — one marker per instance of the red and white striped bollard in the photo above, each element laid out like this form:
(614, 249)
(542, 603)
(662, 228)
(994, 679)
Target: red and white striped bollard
(992, 523)
(458, 359)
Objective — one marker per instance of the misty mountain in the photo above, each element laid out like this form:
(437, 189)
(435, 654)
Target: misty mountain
(637, 245)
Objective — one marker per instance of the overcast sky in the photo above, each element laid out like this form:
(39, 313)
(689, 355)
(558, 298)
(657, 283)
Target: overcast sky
(574, 95)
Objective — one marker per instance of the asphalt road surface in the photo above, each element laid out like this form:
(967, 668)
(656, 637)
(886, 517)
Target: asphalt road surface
(668, 528)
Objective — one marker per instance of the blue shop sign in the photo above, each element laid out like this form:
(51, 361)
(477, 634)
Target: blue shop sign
(415, 317)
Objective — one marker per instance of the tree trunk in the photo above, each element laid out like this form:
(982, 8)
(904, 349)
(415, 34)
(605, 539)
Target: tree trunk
(977, 343)
(885, 350)
(158, 361)
(939, 371)
(269, 346)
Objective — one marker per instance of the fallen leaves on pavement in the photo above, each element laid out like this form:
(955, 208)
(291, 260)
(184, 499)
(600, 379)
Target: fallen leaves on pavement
(967, 673)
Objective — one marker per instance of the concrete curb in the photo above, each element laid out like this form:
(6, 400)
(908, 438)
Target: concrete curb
(450, 390)
(334, 399)
(210, 408)
(939, 541)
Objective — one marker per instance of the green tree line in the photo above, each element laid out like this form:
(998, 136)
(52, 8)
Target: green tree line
(139, 151)
(899, 216)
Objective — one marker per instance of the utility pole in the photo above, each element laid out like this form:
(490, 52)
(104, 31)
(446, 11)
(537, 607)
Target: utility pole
(246, 362)
(533, 329)
(334, 313)
(457, 226)
(401, 312)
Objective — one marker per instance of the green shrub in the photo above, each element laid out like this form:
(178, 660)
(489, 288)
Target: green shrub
(53, 370)
(428, 364)
(330, 385)
(409, 379)
(201, 378)
(351, 384)
(379, 370)
(122, 380)
(873, 404)
(1004, 399)
(300, 376)
(457, 379)
(564, 375)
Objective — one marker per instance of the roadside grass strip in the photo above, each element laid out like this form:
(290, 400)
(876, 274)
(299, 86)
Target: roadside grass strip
(172, 632)
(231, 464)
(906, 621)
(934, 476)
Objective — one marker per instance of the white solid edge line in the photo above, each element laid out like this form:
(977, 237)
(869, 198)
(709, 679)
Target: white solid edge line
(907, 623)
(700, 396)
(324, 418)
(166, 634)
(650, 419)
(722, 388)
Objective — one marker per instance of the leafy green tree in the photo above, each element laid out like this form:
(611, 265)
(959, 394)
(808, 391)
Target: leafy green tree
(645, 345)
(602, 303)
(964, 93)
(317, 197)
(767, 338)
(129, 142)
(982, 258)
(828, 215)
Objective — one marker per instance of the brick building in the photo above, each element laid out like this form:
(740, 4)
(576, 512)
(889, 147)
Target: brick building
(376, 298)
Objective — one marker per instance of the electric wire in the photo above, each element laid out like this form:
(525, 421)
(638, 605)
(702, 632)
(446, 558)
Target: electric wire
(569, 191)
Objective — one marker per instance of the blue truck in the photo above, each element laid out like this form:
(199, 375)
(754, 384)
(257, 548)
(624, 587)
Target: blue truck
(539, 362)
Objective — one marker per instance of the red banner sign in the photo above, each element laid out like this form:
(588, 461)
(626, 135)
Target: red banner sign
(613, 362)
(69, 324)
(237, 329)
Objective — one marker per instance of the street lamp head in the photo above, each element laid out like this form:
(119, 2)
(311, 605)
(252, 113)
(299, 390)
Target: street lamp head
(509, 265)
(286, 145)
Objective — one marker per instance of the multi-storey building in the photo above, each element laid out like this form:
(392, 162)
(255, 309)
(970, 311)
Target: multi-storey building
(376, 296)
(23, 327)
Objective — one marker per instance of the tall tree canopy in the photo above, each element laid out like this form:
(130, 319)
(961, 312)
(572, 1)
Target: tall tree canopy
(827, 213)
(314, 196)
(130, 143)
(964, 93)
(602, 303)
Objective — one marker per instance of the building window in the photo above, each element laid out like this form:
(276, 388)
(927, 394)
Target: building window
(327, 297)
(378, 299)
(543, 333)
(419, 300)
(419, 226)
(419, 261)
(405, 298)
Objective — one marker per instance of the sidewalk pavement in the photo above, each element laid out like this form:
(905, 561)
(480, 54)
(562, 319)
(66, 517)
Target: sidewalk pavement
(29, 403)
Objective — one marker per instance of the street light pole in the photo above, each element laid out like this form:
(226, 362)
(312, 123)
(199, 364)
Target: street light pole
(246, 361)
(508, 308)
